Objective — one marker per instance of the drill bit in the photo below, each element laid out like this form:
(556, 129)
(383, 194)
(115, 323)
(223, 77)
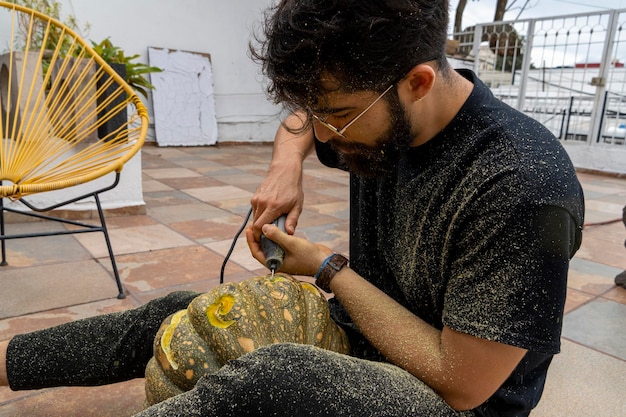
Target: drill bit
(274, 254)
(273, 270)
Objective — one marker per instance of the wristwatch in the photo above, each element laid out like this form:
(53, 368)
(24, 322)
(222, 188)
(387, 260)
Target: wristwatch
(331, 265)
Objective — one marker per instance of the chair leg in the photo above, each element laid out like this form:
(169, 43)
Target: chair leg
(3, 248)
(118, 281)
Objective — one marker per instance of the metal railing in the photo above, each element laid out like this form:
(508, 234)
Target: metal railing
(568, 72)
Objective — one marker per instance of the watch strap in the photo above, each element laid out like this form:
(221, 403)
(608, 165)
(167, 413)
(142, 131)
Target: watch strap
(329, 268)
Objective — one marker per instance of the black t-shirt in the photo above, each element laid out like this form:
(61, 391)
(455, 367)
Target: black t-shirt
(474, 230)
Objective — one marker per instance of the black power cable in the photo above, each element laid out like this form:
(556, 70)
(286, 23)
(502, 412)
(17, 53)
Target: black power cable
(232, 246)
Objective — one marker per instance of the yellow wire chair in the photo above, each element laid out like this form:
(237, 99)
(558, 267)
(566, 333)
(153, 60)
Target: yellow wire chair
(66, 118)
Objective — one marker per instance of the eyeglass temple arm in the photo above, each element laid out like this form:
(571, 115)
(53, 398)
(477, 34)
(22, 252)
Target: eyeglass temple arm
(343, 129)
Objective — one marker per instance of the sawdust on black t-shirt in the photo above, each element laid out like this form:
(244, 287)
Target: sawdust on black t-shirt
(474, 230)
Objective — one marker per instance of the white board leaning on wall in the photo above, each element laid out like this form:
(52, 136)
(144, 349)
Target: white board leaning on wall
(183, 98)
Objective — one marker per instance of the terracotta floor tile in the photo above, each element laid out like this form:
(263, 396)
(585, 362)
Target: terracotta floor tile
(167, 198)
(583, 382)
(239, 206)
(607, 253)
(115, 400)
(160, 173)
(342, 192)
(590, 277)
(218, 193)
(600, 188)
(311, 183)
(250, 187)
(340, 209)
(330, 175)
(600, 325)
(135, 239)
(619, 199)
(130, 221)
(155, 162)
(200, 286)
(320, 197)
(150, 186)
(597, 217)
(186, 212)
(245, 178)
(43, 250)
(217, 169)
(194, 182)
(210, 229)
(311, 217)
(166, 153)
(613, 209)
(41, 320)
(614, 233)
(616, 294)
(49, 287)
(576, 299)
(240, 256)
(331, 235)
(192, 162)
(147, 271)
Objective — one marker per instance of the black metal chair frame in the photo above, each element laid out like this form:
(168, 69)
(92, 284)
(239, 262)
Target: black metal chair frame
(83, 227)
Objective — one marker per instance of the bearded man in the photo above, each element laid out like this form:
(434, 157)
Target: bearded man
(464, 216)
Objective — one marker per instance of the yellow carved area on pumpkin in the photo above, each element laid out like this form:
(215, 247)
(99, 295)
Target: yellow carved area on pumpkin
(166, 338)
(220, 308)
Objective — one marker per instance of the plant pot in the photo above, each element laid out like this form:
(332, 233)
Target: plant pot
(120, 119)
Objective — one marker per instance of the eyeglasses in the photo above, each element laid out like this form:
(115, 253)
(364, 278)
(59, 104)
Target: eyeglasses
(341, 131)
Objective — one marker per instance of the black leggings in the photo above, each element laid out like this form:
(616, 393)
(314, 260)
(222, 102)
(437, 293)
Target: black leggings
(94, 351)
(277, 380)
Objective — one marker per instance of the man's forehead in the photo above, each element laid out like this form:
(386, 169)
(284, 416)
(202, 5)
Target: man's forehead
(329, 82)
(335, 95)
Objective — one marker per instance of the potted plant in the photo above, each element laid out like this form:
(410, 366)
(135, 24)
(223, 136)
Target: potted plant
(132, 72)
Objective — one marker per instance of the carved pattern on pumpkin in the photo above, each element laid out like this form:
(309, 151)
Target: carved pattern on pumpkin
(231, 320)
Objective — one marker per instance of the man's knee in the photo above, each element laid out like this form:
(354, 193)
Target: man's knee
(277, 367)
(277, 359)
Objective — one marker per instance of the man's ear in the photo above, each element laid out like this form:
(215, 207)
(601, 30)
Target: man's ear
(418, 82)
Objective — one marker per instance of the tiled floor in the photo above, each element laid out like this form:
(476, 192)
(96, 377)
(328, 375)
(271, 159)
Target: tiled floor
(196, 200)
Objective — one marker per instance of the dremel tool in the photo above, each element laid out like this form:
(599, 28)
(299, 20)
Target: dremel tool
(274, 254)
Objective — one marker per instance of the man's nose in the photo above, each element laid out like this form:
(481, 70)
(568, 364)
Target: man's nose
(322, 133)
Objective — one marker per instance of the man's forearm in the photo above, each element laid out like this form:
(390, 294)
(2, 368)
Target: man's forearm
(281, 191)
(291, 141)
(462, 369)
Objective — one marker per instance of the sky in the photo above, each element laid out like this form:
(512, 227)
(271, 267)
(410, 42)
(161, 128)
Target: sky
(481, 11)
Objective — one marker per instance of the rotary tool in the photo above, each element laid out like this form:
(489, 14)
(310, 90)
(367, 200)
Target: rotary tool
(274, 254)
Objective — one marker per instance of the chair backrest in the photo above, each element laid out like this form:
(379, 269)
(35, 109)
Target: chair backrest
(66, 116)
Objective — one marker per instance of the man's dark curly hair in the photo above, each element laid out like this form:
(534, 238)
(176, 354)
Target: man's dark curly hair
(363, 44)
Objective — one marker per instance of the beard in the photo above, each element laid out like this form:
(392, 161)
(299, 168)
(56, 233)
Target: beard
(379, 159)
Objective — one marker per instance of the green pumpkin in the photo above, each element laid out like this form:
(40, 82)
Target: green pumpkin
(234, 319)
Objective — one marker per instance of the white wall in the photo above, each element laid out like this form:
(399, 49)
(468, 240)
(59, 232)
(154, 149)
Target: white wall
(597, 157)
(221, 28)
